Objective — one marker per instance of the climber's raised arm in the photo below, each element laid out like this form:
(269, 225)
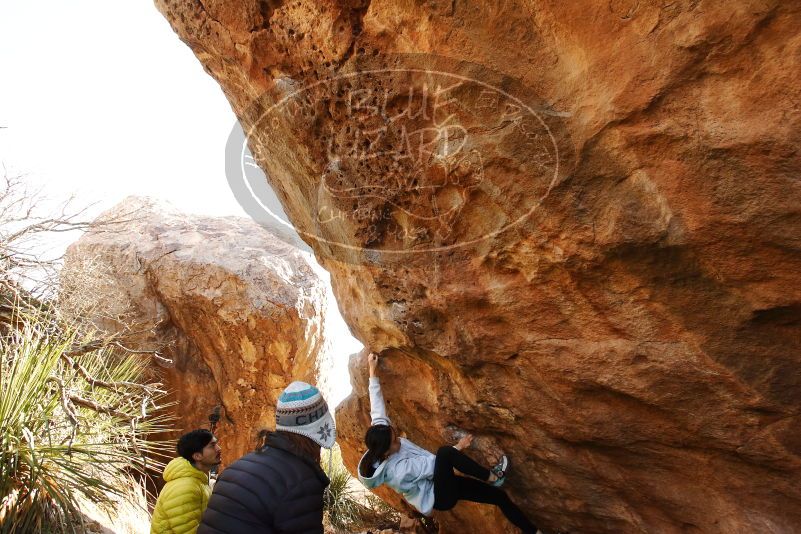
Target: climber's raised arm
(378, 410)
(415, 473)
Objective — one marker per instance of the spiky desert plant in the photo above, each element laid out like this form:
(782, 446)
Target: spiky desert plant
(343, 511)
(346, 508)
(74, 423)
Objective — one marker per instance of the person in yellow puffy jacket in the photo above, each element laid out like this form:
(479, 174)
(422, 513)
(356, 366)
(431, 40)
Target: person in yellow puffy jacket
(186, 493)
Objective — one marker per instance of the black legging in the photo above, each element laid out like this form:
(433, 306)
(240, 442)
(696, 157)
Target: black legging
(450, 488)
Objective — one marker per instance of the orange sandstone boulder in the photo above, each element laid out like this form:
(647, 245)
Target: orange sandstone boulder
(239, 312)
(572, 229)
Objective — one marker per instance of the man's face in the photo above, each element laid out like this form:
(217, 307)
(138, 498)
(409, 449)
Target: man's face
(210, 456)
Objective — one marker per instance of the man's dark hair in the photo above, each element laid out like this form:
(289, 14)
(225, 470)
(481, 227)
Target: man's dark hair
(193, 442)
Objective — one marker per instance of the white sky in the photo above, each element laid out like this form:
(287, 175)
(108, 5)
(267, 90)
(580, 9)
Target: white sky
(101, 98)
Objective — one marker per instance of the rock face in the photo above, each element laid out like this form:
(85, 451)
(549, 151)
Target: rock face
(238, 311)
(575, 232)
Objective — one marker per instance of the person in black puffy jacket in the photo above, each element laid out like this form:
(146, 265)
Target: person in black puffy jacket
(279, 488)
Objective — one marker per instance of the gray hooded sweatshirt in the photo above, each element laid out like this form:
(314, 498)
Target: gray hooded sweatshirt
(410, 471)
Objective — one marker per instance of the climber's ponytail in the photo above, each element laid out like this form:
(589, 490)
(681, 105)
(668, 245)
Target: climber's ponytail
(378, 440)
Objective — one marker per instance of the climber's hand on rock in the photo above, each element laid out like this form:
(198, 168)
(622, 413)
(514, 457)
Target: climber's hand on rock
(372, 361)
(465, 442)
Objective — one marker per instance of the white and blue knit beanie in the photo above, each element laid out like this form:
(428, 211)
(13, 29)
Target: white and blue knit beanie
(302, 409)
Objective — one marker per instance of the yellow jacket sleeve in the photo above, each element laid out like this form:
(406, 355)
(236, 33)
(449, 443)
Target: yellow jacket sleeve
(179, 507)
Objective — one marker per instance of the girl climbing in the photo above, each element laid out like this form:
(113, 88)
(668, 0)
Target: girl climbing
(426, 481)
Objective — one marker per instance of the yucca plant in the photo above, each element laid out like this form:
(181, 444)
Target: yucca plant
(347, 509)
(343, 510)
(74, 423)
